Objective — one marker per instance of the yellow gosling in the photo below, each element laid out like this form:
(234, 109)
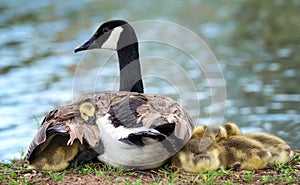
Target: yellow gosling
(199, 154)
(215, 132)
(243, 153)
(232, 129)
(280, 150)
(87, 112)
(56, 156)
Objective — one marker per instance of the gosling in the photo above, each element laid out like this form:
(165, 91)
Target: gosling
(243, 153)
(280, 150)
(216, 132)
(58, 153)
(201, 153)
(211, 148)
(231, 129)
(56, 156)
(87, 112)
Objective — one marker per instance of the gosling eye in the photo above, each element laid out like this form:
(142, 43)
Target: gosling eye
(105, 29)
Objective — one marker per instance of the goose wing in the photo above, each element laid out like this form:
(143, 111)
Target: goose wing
(66, 122)
(132, 117)
(49, 128)
(170, 111)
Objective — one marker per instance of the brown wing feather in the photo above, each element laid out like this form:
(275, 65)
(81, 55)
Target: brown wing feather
(44, 136)
(90, 133)
(39, 138)
(164, 108)
(131, 109)
(55, 122)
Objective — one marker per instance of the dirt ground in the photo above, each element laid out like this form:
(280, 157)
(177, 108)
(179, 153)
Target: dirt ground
(97, 174)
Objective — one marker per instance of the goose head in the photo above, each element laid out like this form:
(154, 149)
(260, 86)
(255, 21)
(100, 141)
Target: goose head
(113, 35)
(87, 112)
(119, 36)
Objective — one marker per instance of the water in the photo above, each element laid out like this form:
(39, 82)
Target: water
(255, 48)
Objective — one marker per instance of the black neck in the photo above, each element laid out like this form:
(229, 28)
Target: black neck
(130, 69)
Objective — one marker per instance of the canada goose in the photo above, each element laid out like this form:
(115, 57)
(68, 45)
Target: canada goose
(135, 123)
(134, 130)
(280, 150)
(220, 146)
(64, 138)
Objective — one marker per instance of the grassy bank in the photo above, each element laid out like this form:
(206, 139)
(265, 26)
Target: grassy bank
(97, 173)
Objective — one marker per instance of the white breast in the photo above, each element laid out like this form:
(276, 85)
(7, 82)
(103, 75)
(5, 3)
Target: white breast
(117, 153)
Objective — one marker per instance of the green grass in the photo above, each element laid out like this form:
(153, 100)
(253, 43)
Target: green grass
(11, 174)
(248, 176)
(17, 173)
(57, 176)
(285, 172)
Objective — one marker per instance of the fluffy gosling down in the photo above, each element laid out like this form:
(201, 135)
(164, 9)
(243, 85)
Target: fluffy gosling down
(280, 150)
(56, 156)
(217, 132)
(202, 152)
(57, 146)
(199, 154)
(231, 129)
(87, 112)
(224, 146)
(240, 152)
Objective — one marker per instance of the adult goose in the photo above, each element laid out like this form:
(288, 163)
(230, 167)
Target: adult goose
(136, 130)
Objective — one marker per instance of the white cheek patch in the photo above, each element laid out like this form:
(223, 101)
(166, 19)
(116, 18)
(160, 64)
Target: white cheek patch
(112, 41)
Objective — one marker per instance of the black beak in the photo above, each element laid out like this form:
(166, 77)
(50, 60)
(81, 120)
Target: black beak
(90, 44)
(91, 120)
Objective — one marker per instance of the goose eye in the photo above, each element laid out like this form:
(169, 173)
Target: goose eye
(105, 29)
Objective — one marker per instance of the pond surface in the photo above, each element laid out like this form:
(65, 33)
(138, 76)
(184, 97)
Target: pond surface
(249, 76)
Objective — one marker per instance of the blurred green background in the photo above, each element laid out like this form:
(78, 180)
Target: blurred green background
(255, 43)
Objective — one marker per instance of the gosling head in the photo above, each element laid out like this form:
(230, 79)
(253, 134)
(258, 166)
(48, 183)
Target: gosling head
(232, 129)
(199, 131)
(216, 132)
(113, 35)
(87, 112)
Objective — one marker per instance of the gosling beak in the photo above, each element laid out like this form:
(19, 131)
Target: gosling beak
(91, 120)
(90, 44)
